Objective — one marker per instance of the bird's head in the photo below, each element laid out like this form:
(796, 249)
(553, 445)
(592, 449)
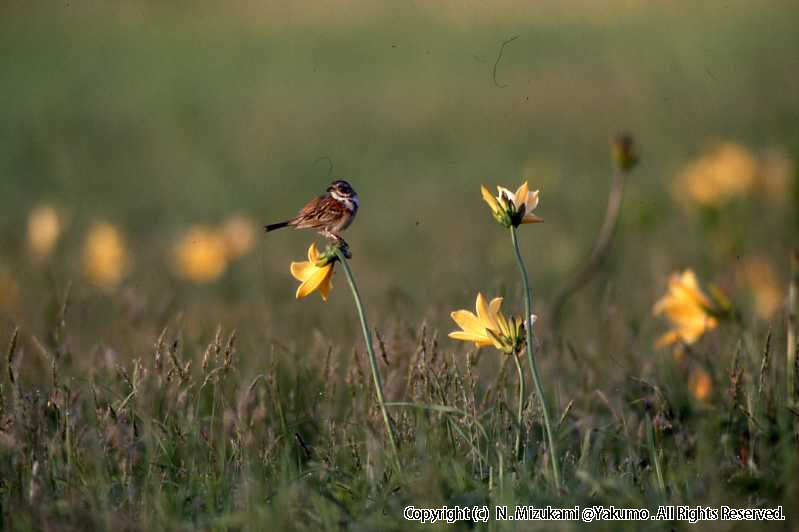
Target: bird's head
(341, 190)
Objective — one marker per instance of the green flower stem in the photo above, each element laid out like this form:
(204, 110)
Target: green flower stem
(521, 405)
(597, 257)
(650, 437)
(792, 323)
(528, 328)
(370, 349)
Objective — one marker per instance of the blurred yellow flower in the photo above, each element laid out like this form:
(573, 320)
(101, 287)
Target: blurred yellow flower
(201, 255)
(700, 384)
(726, 171)
(315, 273)
(489, 326)
(8, 290)
(104, 255)
(688, 309)
(512, 208)
(760, 276)
(239, 233)
(44, 227)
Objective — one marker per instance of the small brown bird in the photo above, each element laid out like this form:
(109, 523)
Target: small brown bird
(331, 212)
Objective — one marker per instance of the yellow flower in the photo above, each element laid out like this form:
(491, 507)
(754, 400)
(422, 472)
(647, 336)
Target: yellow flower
(314, 274)
(489, 326)
(512, 209)
(687, 307)
(700, 384)
(44, 228)
(201, 256)
(104, 255)
(726, 171)
(239, 233)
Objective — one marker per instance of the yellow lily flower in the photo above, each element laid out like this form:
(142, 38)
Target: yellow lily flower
(513, 208)
(489, 326)
(105, 256)
(201, 255)
(700, 384)
(315, 274)
(727, 171)
(687, 308)
(44, 227)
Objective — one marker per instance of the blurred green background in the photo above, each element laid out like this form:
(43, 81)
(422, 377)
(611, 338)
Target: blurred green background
(157, 118)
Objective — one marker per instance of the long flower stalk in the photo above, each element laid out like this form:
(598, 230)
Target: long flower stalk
(625, 158)
(650, 439)
(490, 327)
(372, 358)
(597, 257)
(521, 406)
(792, 323)
(528, 327)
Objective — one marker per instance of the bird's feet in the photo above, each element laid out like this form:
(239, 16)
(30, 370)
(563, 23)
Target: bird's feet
(331, 236)
(337, 241)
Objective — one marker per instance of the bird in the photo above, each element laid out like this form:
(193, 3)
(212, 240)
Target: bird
(332, 212)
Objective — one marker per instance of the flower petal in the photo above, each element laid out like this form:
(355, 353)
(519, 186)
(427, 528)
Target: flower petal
(495, 339)
(494, 305)
(504, 326)
(479, 341)
(486, 316)
(679, 309)
(468, 322)
(326, 285)
(302, 270)
(531, 219)
(521, 196)
(313, 282)
(667, 339)
(683, 292)
(532, 201)
(661, 305)
(489, 198)
(504, 192)
(313, 253)
(687, 286)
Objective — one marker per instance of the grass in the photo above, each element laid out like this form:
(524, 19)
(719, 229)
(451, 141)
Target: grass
(181, 436)
(163, 404)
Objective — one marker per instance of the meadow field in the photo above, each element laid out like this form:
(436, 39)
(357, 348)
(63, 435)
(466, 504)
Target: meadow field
(158, 372)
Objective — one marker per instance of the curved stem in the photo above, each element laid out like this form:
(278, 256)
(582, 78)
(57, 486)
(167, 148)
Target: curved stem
(528, 328)
(521, 406)
(370, 349)
(598, 254)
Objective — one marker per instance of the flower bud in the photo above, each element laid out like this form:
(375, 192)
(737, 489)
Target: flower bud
(624, 151)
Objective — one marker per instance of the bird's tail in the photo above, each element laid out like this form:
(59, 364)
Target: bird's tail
(272, 227)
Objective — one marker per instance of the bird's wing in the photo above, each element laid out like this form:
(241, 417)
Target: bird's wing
(319, 212)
